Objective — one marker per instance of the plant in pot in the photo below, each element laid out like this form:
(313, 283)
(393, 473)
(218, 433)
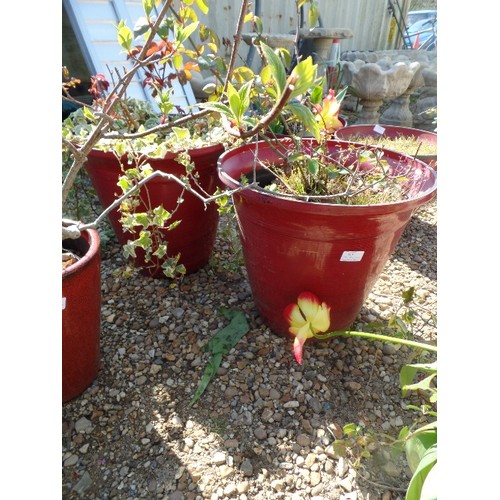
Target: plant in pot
(126, 134)
(421, 144)
(319, 215)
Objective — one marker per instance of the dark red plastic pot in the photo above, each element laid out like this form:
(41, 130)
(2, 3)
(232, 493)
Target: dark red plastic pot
(335, 251)
(81, 315)
(194, 237)
(390, 132)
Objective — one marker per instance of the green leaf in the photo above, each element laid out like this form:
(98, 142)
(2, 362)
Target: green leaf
(305, 116)
(141, 26)
(144, 241)
(417, 445)
(125, 37)
(183, 33)
(202, 5)
(340, 95)
(257, 24)
(349, 429)
(316, 95)
(306, 72)
(244, 94)
(148, 6)
(312, 165)
(160, 215)
(234, 103)
(430, 486)
(219, 345)
(313, 14)
(408, 295)
(277, 68)
(219, 107)
(423, 385)
(408, 372)
(88, 113)
(142, 219)
(428, 461)
(339, 448)
(181, 133)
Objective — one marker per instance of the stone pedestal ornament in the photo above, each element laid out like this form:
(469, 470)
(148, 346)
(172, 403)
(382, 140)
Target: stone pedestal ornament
(377, 82)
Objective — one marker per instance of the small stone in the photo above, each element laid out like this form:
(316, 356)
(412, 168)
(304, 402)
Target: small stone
(84, 448)
(342, 467)
(230, 489)
(315, 478)
(155, 369)
(246, 467)
(177, 421)
(304, 440)
(83, 484)
(219, 458)
(353, 386)
(389, 349)
(315, 405)
(310, 459)
(346, 484)
(260, 433)
(83, 425)
(71, 460)
(243, 487)
(274, 394)
(277, 485)
(152, 486)
(231, 443)
(225, 471)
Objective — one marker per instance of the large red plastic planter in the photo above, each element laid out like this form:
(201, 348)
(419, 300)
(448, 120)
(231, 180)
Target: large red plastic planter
(195, 237)
(335, 251)
(81, 316)
(391, 132)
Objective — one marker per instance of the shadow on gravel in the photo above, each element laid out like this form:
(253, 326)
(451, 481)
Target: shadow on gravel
(141, 464)
(417, 248)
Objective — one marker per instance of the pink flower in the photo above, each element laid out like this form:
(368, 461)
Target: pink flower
(328, 113)
(307, 317)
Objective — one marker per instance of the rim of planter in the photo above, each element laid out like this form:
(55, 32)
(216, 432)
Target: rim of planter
(379, 130)
(94, 242)
(194, 152)
(240, 159)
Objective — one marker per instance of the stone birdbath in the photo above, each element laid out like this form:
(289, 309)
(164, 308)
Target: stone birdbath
(318, 42)
(376, 82)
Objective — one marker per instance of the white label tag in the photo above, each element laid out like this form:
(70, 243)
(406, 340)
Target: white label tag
(378, 129)
(352, 256)
(64, 302)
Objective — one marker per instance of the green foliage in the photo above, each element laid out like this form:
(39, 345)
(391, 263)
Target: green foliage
(418, 443)
(219, 346)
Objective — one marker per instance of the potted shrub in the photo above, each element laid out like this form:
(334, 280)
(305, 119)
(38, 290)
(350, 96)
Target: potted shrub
(319, 214)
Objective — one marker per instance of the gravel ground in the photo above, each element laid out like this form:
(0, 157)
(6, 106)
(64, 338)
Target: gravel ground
(265, 426)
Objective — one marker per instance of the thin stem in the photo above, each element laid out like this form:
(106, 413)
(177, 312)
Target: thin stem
(163, 175)
(376, 336)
